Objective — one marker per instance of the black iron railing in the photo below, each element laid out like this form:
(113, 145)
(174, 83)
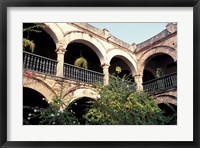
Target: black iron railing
(75, 73)
(48, 66)
(39, 63)
(161, 84)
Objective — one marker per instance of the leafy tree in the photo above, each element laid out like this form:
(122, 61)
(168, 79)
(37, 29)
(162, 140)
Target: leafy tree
(119, 105)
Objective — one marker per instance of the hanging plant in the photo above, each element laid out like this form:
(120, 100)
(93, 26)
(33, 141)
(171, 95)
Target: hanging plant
(118, 69)
(81, 62)
(27, 43)
(159, 72)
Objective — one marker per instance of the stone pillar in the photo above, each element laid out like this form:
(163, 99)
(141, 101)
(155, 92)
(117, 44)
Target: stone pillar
(138, 81)
(60, 59)
(106, 73)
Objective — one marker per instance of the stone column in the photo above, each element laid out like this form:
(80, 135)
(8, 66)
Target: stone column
(60, 59)
(106, 73)
(138, 81)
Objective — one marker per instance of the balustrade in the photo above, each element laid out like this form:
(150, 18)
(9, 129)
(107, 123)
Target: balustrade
(39, 63)
(48, 66)
(161, 84)
(75, 73)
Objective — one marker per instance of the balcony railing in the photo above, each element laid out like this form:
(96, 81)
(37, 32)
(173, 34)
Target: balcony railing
(75, 73)
(161, 84)
(39, 63)
(48, 66)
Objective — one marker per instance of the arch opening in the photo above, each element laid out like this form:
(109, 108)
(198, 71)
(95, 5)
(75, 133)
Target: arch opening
(80, 107)
(147, 75)
(32, 100)
(160, 64)
(76, 50)
(44, 44)
(125, 70)
(169, 110)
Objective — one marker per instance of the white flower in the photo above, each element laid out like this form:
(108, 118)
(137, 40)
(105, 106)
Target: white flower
(75, 103)
(58, 114)
(54, 122)
(43, 99)
(74, 122)
(29, 118)
(52, 115)
(71, 110)
(29, 114)
(35, 110)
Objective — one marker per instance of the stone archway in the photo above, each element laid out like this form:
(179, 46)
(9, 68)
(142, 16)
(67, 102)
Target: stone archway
(93, 43)
(127, 58)
(166, 99)
(155, 51)
(55, 32)
(80, 92)
(40, 86)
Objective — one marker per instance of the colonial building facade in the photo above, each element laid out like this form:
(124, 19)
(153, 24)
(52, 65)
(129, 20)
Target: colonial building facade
(50, 72)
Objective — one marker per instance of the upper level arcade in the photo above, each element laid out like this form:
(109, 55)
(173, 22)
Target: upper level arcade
(83, 53)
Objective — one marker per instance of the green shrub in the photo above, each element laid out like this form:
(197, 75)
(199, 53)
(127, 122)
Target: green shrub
(119, 105)
(52, 115)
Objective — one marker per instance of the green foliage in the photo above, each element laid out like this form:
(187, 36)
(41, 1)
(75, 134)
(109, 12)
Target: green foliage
(118, 69)
(27, 43)
(119, 105)
(160, 72)
(35, 28)
(52, 115)
(81, 62)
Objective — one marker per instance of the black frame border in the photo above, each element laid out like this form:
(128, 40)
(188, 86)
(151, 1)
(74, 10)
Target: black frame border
(97, 3)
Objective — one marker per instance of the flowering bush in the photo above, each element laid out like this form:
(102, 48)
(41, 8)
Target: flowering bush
(52, 115)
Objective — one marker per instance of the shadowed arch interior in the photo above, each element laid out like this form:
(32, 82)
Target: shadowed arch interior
(76, 50)
(32, 99)
(80, 107)
(169, 110)
(159, 62)
(44, 44)
(125, 70)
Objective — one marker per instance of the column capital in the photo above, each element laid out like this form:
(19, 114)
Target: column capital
(105, 65)
(138, 75)
(60, 49)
